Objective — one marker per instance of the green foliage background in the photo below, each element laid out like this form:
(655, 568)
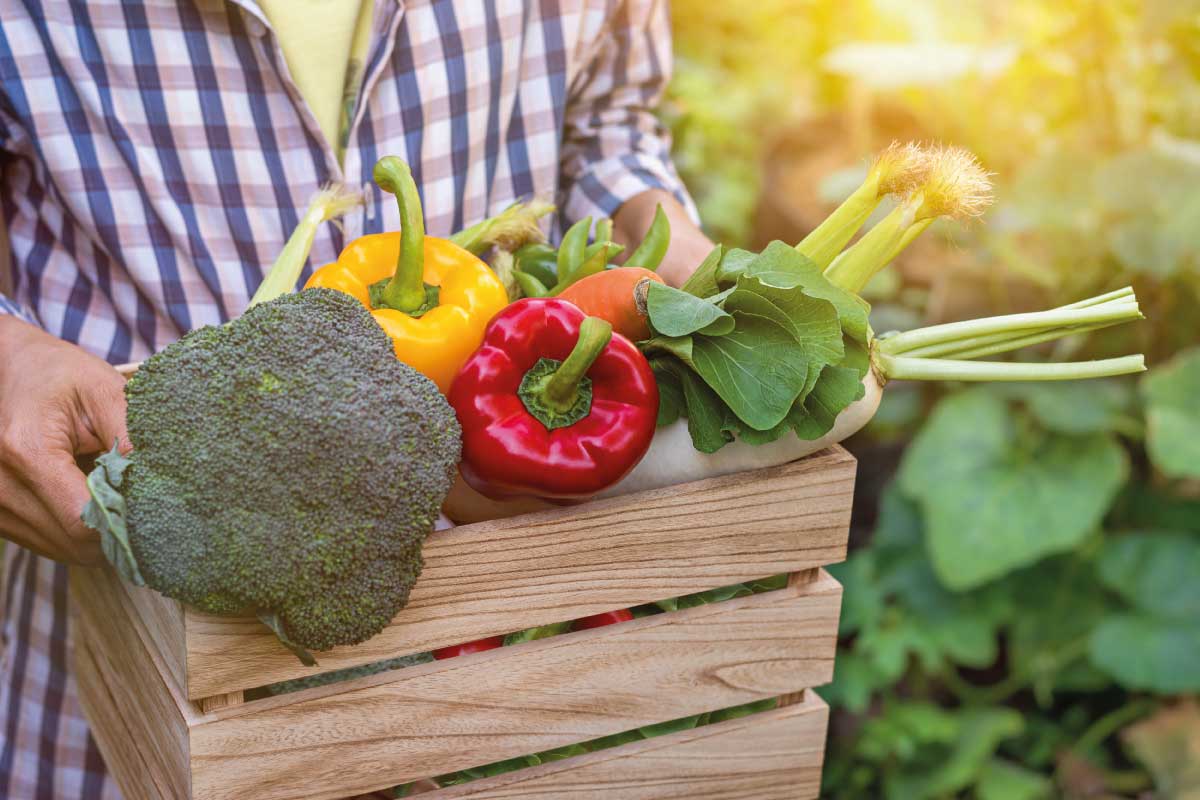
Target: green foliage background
(1022, 599)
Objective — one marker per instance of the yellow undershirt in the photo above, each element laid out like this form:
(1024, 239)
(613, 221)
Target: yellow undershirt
(325, 45)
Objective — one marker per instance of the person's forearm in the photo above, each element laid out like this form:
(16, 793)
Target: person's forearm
(688, 246)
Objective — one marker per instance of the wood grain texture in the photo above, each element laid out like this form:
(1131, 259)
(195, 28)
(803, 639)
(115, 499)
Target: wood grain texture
(121, 750)
(162, 620)
(125, 692)
(775, 755)
(386, 729)
(506, 575)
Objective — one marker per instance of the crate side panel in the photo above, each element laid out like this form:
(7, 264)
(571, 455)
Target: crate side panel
(507, 575)
(132, 700)
(775, 755)
(473, 710)
(162, 619)
(118, 745)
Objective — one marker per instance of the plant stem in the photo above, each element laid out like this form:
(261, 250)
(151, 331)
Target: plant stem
(855, 267)
(979, 346)
(935, 369)
(1037, 321)
(330, 202)
(823, 244)
(406, 290)
(561, 390)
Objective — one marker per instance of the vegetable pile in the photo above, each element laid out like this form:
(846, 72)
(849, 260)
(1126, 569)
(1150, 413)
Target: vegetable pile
(290, 463)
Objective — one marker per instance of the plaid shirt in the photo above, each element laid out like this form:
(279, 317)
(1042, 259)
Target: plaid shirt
(156, 154)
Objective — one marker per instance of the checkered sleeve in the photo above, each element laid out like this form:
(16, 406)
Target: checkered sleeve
(614, 146)
(8, 306)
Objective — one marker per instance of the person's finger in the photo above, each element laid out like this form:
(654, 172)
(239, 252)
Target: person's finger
(101, 410)
(38, 537)
(44, 462)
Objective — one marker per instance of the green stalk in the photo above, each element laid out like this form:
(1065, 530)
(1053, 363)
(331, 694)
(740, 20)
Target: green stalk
(1028, 323)
(855, 267)
(914, 230)
(562, 389)
(330, 202)
(1010, 344)
(511, 229)
(559, 394)
(824, 242)
(1005, 341)
(406, 290)
(935, 369)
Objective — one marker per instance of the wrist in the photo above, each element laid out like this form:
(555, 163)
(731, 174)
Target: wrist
(689, 245)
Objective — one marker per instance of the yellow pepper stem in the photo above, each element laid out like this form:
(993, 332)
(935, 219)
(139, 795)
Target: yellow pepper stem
(406, 291)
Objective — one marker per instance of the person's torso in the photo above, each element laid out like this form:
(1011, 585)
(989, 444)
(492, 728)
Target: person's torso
(164, 152)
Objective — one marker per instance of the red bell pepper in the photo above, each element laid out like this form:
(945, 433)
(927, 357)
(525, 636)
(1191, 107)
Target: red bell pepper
(600, 620)
(477, 646)
(553, 404)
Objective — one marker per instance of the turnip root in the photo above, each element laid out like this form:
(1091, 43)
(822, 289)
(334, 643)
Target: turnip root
(672, 459)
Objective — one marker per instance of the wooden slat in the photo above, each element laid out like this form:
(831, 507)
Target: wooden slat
(121, 750)
(775, 755)
(127, 689)
(162, 620)
(434, 718)
(506, 575)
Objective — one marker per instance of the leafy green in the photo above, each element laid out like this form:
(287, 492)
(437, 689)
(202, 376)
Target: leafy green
(1143, 651)
(765, 348)
(1156, 572)
(106, 513)
(996, 497)
(677, 313)
(1172, 394)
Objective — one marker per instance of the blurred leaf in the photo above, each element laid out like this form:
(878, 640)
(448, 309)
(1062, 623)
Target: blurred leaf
(1145, 652)
(1172, 394)
(978, 733)
(855, 680)
(1059, 603)
(1077, 407)
(995, 498)
(1004, 780)
(1157, 572)
(1169, 744)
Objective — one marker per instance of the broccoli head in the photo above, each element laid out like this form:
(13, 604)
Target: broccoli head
(284, 464)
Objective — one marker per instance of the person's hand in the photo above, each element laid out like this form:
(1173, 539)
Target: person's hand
(56, 402)
(688, 246)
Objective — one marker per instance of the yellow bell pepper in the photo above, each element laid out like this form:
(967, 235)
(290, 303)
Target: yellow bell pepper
(432, 297)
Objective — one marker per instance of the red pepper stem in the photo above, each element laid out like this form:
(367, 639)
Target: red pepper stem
(562, 390)
(406, 290)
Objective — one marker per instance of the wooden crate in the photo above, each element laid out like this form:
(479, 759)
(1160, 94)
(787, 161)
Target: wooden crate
(164, 685)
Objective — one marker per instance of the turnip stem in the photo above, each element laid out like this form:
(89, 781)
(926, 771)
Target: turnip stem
(1012, 340)
(1009, 344)
(936, 369)
(1038, 321)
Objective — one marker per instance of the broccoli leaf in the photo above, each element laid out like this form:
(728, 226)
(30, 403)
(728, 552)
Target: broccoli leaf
(105, 513)
(273, 622)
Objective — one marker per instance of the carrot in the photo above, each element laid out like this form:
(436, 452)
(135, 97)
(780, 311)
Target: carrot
(616, 295)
